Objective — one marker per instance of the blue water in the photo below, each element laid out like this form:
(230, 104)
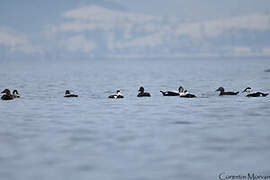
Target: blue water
(45, 136)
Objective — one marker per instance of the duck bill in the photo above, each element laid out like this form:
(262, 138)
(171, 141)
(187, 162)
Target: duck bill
(181, 90)
(2, 92)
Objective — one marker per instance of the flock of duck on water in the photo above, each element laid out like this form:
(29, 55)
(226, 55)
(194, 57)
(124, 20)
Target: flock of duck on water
(181, 93)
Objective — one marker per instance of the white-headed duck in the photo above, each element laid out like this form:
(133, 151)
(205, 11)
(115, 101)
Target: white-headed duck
(172, 93)
(186, 94)
(247, 90)
(256, 94)
(15, 94)
(116, 95)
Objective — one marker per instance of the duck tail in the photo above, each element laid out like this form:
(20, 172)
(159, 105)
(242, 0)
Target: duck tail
(111, 96)
(264, 94)
(237, 92)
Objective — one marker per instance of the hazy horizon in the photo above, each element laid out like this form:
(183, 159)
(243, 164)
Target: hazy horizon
(94, 29)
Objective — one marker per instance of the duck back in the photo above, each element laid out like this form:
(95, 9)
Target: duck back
(257, 94)
(188, 96)
(145, 94)
(7, 97)
(169, 93)
(71, 95)
(114, 96)
(228, 93)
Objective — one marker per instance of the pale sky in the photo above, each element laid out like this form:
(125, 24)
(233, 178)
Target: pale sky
(198, 9)
(89, 28)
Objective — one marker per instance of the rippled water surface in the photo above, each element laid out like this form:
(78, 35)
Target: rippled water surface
(45, 136)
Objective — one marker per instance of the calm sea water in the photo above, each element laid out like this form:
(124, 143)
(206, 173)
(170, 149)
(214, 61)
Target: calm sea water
(45, 136)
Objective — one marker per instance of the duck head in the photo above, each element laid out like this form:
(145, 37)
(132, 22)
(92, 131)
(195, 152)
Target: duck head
(118, 92)
(6, 91)
(15, 92)
(248, 89)
(180, 89)
(141, 89)
(221, 89)
(67, 92)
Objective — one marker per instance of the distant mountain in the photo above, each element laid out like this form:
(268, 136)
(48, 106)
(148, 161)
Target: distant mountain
(105, 29)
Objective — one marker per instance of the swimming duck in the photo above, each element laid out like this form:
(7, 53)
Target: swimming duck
(186, 94)
(256, 94)
(67, 94)
(171, 93)
(142, 93)
(7, 95)
(116, 95)
(222, 92)
(15, 94)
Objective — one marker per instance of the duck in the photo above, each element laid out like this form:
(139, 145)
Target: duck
(7, 95)
(142, 93)
(171, 93)
(256, 94)
(186, 94)
(116, 95)
(15, 94)
(222, 92)
(67, 94)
